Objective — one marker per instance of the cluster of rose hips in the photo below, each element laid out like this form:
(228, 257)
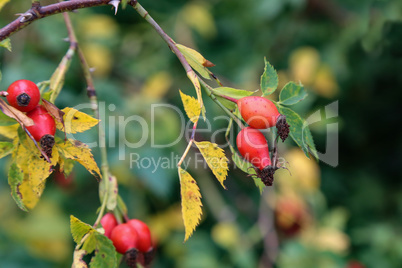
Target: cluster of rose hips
(132, 238)
(260, 113)
(24, 95)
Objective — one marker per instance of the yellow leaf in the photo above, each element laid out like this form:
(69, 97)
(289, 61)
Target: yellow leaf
(196, 60)
(76, 121)
(190, 202)
(191, 107)
(78, 262)
(39, 170)
(78, 151)
(194, 79)
(35, 171)
(28, 196)
(29, 172)
(6, 43)
(215, 158)
(9, 132)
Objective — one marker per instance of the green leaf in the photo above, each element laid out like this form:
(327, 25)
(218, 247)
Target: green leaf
(292, 93)
(105, 253)
(310, 141)
(227, 103)
(109, 186)
(79, 229)
(232, 93)
(6, 43)
(15, 178)
(247, 168)
(6, 148)
(269, 79)
(299, 131)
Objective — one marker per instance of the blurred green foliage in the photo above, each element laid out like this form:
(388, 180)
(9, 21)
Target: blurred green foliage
(345, 51)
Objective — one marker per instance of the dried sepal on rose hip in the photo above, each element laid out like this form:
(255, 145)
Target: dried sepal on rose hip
(253, 146)
(261, 113)
(23, 95)
(43, 129)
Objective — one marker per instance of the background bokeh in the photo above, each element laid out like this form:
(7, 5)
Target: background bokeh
(343, 214)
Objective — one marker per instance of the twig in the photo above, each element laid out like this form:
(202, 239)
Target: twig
(38, 12)
(190, 143)
(94, 102)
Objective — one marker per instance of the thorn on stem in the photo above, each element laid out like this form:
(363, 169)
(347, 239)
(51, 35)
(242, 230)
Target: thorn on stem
(91, 70)
(25, 16)
(115, 4)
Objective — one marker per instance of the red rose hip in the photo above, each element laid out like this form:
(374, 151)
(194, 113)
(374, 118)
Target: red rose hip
(253, 146)
(124, 238)
(43, 129)
(144, 235)
(23, 95)
(261, 113)
(108, 222)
